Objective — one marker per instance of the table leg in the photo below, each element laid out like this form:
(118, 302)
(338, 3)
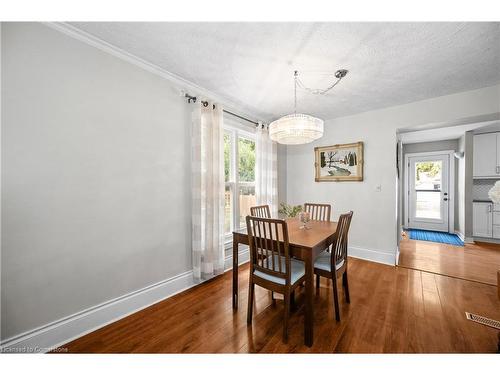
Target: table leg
(235, 274)
(309, 308)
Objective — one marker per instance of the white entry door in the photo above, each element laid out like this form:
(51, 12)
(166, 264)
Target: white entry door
(428, 194)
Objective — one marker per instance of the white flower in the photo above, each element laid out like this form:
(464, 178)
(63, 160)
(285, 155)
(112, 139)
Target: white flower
(494, 193)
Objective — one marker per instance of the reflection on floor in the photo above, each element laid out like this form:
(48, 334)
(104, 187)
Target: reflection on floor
(392, 310)
(477, 262)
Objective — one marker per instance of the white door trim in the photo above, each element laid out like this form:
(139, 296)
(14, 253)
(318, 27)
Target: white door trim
(451, 186)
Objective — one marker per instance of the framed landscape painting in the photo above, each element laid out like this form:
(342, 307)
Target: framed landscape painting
(339, 162)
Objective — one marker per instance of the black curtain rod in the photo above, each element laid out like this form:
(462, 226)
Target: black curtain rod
(205, 104)
(241, 117)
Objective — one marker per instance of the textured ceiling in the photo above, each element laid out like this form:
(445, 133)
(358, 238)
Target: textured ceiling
(252, 64)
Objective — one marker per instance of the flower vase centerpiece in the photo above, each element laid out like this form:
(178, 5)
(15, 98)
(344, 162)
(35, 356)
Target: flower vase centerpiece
(304, 218)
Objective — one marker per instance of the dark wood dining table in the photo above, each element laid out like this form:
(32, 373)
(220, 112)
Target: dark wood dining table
(306, 245)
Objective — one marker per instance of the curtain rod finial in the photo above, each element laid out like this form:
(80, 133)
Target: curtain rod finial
(189, 97)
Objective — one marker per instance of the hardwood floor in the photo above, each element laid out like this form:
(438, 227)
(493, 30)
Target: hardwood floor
(478, 262)
(392, 310)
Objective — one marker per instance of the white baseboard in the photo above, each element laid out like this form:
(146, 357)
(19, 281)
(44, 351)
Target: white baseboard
(371, 255)
(355, 252)
(55, 334)
(460, 235)
(52, 335)
(243, 257)
(486, 239)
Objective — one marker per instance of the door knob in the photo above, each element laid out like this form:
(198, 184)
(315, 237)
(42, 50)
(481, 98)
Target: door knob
(445, 199)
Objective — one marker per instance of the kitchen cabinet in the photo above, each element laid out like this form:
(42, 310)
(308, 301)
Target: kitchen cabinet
(496, 231)
(496, 217)
(482, 219)
(496, 221)
(486, 155)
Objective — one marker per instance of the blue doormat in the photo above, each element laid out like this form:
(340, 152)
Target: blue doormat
(428, 235)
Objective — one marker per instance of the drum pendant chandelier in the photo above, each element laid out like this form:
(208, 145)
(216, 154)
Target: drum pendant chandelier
(297, 128)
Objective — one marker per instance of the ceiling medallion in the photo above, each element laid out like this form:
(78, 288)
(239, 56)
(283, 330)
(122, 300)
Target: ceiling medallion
(299, 128)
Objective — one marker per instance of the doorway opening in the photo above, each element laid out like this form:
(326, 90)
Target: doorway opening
(436, 189)
(429, 187)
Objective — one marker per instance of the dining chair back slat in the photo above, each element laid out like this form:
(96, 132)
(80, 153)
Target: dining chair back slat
(261, 211)
(318, 211)
(339, 247)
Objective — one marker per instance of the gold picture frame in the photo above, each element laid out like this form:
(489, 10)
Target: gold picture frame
(342, 162)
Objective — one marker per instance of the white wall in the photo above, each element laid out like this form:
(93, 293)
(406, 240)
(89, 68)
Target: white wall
(460, 199)
(373, 232)
(95, 186)
(468, 183)
(1, 117)
(95, 177)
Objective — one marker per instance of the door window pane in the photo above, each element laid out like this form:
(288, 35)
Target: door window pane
(428, 175)
(246, 162)
(247, 200)
(428, 205)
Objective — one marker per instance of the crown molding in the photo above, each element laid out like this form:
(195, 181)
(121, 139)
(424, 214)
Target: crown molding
(177, 81)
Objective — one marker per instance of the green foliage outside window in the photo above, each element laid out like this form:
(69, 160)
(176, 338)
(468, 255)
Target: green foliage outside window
(246, 155)
(246, 162)
(432, 168)
(227, 160)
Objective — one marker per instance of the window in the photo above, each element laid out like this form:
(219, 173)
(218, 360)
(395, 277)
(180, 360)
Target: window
(428, 177)
(239, 174)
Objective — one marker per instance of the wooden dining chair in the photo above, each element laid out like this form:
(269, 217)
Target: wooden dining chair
(265, 212)
(261, 211)
(333, 262)
(318, 211)
(271, 266)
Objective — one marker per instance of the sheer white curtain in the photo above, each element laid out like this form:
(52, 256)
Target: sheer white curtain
(207, 191)
(266, 170)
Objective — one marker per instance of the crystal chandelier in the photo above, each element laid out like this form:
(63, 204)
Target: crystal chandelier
(296, 128)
